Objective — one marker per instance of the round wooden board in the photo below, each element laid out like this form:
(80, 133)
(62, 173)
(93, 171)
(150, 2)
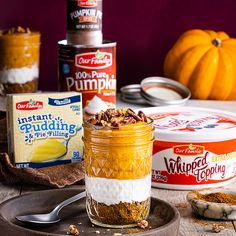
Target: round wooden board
(163, 219)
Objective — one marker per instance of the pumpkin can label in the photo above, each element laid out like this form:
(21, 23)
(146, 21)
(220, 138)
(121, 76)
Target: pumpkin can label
(91, 71)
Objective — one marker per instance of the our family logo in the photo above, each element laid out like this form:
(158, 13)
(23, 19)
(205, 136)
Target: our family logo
(29, 105)
(93, 60)
(87, 3)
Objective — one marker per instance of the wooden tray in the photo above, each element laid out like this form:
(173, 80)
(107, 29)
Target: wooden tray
(164, 219)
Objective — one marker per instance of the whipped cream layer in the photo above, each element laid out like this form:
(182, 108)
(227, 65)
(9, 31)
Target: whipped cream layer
(114, 191)
(19, 75)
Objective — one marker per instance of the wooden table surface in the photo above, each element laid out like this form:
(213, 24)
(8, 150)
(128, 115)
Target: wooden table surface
(190, 224)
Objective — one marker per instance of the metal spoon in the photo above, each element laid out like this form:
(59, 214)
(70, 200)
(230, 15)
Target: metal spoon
(51, 217)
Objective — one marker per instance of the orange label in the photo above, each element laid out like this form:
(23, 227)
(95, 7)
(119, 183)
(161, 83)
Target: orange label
(91, 71)
(193, 163)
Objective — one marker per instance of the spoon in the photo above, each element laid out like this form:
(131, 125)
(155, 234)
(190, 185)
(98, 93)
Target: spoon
(51, 217)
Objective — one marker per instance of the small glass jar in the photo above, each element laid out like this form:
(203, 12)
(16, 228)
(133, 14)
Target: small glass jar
(19, 61)
(118, 164)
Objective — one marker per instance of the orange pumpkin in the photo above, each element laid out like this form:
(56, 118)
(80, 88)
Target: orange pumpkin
(204, 61)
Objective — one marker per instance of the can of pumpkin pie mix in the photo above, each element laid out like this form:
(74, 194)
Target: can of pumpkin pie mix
(90, 70)
(84, 22)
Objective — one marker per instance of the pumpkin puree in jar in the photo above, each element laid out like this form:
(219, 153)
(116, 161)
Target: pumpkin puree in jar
(123, 161)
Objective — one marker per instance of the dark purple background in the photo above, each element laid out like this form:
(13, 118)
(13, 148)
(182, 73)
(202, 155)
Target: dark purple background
(144, 29)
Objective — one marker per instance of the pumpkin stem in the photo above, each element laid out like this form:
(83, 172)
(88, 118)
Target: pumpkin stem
(216, 42)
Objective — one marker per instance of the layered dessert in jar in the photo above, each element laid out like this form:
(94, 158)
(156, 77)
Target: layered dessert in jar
(118, 160)
(19, 61)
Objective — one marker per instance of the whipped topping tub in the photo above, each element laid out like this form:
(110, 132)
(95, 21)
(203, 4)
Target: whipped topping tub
(194, 147)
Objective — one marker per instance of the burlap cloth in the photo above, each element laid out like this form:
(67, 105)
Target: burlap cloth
(55, 176)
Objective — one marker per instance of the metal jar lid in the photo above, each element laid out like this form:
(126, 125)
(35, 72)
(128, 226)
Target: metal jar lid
(159, 91)
(132, 94)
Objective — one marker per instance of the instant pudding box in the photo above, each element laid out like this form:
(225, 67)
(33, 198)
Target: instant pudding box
(45, 129)
(193, 148)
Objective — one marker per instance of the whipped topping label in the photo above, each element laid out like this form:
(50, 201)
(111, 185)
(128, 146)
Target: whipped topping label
(192, 121)
(193, 163)
(91, 71)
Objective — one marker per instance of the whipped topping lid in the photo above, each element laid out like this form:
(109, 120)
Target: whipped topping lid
(191, 123)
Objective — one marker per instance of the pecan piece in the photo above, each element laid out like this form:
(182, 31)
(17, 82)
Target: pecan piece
(104, 117)
(216, 228)
(73, 230)
(143, 224)
(110, 112)
(115, 124)
(142, 116)
(129, 120)
(121, 111)
(130, 112)
(99, 117)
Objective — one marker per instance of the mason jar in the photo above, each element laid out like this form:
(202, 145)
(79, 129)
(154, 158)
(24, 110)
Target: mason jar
(118, 164)
(19, 61)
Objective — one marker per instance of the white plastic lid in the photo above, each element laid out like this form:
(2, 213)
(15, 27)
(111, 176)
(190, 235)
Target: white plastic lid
(192, 124)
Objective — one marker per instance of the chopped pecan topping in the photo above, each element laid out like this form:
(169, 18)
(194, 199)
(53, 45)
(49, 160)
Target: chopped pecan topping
(143, 224)
(216, 228)
(73, 230)
(117, 118)
(17, 30)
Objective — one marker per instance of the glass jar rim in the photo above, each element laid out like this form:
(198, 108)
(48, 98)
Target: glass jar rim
(3, 32)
